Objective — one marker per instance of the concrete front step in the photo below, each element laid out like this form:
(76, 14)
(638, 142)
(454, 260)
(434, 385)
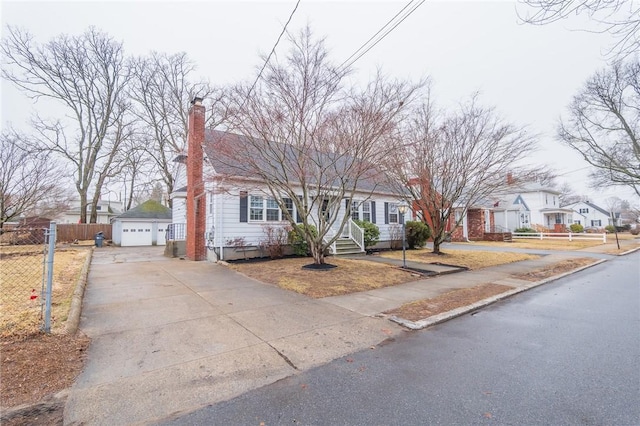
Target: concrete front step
(347, 247)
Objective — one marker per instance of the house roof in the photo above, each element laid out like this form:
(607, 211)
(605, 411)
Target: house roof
(150, 209)
(532, 187)
(593, 206)
(219, 147)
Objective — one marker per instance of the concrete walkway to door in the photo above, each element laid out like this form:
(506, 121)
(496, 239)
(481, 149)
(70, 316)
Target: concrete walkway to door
(171, 336)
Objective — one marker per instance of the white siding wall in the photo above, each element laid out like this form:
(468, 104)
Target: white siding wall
(223, 213)
(179, 210)
(593, 214)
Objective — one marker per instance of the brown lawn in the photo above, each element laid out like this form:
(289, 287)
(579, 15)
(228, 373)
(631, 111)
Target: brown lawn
(34, 365)
(421, 309)
(546, 244)
(467, 258)
(555, 269)
(22, 270)
(349, 277)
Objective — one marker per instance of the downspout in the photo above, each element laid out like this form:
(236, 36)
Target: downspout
(465, 230)
(220, 233)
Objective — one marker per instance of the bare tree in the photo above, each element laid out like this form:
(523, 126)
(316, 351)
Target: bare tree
(457, 160)
(162, 91)
(603, 125)
(620, 18)
(86, 75)
(567, 195)
(30, 182)
(312, 141)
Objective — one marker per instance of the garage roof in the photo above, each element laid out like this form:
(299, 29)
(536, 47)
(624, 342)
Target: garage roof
(150, 209)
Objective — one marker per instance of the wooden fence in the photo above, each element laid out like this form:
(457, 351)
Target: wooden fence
(67, 232)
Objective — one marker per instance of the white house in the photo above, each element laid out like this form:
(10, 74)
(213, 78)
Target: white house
(106, 210)
(588, 215)
(531, 205)
(239, 208)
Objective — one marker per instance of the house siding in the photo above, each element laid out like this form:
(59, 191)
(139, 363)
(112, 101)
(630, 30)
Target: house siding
(224, 219)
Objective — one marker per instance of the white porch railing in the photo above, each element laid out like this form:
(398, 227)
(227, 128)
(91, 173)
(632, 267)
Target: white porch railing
(559, 235)
(176, 232)
(352, 231)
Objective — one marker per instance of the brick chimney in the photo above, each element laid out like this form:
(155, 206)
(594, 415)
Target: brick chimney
(510, 179)
(196, 211)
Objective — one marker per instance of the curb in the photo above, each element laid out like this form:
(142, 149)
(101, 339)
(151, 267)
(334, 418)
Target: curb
(50, 403)
(73, 320)
(446, 316)
(629, 251)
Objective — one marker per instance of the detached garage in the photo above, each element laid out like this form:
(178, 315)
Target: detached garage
(144, 225)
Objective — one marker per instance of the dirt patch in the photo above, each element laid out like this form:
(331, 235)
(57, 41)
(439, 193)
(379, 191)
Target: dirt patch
(350, 276)
(446, 302)
(465, 258)
(555, 269)
(37, 366)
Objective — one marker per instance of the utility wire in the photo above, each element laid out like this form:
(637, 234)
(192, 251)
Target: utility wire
(284, 29)
(363, 49)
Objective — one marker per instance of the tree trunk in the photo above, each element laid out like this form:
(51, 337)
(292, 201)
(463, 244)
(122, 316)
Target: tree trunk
(83, 207)
(317, 251)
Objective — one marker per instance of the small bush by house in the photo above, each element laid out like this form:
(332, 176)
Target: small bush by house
(371, 233)
(417, 234)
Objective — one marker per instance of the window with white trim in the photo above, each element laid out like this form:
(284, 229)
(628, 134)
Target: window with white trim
(361, 211)
(288, 204)
(355, 210)
(263, 209)
(584, 211)
(256, 209)
(596, 223)
(366, 211)
(273, 210)
(393, 213)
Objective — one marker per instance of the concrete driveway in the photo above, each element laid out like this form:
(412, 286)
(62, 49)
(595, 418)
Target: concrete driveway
(172, 336)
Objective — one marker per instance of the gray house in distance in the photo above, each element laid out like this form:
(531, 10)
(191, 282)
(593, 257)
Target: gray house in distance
(144, 225)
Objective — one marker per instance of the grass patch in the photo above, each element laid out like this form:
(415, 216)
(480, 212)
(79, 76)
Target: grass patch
(467, 258)
(350, 276)
(22, 271)
(555, 269)
(421, 309)
(546, 244)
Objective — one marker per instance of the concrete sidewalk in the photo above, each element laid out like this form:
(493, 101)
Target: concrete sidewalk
(171, 335)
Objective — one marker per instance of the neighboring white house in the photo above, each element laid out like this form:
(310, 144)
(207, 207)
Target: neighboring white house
(588, 215)
(144, 225)
(240, 208)
(531, 205)
(106, 210)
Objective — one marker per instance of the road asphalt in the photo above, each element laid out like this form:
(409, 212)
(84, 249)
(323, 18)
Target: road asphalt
(170, 336)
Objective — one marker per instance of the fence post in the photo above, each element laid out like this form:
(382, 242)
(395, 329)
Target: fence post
(569, 236)
(604, 237)
(541, 236)
(52, 249)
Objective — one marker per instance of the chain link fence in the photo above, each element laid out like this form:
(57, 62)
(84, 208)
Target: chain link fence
(26, 261)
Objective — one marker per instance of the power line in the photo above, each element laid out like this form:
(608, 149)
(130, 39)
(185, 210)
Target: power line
(355, 56)
(284, 29)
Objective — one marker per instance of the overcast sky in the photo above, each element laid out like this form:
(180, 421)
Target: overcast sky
(529, 73)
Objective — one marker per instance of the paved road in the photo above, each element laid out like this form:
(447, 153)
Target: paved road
(565, 353)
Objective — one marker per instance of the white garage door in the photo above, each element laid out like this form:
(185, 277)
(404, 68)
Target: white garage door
(136, 234)
(161, 234)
